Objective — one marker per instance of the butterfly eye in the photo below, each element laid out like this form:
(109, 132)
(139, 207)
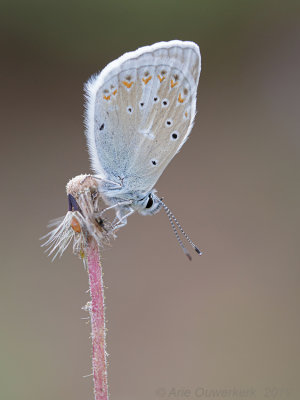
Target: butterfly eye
(174, 136)
(154, 162)
(101, 127)
(142, 105)
(150, 202)
(169, 122)
(129, 110)
(155, 99)
(165, 103)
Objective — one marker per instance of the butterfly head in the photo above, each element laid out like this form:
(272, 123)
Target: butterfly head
(149, 205)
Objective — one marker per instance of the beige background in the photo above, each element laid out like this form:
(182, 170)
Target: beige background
(229, 319)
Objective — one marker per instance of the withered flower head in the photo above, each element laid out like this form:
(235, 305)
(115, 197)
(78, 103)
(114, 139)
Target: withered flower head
(82, 222)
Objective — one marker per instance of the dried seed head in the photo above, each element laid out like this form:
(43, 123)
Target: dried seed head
(83, 220)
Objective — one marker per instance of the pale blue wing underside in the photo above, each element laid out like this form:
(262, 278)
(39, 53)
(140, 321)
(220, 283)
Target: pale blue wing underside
(140, 110)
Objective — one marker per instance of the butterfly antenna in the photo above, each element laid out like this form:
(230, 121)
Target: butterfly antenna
(172, 218)
(178, 238)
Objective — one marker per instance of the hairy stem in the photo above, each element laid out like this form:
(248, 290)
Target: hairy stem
(97, 313)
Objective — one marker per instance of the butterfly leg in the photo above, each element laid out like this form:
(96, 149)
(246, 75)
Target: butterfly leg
(121, 203)
(115, 185)
(103, 180)
(122, 215)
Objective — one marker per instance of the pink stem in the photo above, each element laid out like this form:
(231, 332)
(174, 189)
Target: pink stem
(97, 314)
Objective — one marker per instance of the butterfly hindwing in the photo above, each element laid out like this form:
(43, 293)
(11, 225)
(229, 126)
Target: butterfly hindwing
(140, 111)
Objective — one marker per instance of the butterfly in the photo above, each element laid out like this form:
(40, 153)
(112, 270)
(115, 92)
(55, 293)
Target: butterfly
(140, 111)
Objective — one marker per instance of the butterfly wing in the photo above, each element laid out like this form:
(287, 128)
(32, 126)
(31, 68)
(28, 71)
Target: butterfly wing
(140, 111)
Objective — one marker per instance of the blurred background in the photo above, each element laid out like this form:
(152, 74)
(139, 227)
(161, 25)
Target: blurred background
(226, 320)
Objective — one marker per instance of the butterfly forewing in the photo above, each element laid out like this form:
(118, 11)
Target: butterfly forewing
(140, 111)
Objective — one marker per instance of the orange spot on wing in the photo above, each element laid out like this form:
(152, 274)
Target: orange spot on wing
(186, 114)
(114, 92)
(75, 225)
(160, 79)
(180, 99)
(106, 97)
(146, 80)
(173, 83)
(127, 84)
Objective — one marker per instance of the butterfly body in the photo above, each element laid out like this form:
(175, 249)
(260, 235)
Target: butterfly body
(139, 112)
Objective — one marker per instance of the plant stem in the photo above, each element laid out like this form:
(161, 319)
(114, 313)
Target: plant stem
(97, 313)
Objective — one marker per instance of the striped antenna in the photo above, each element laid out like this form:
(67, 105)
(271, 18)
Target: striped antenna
(173, 219)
